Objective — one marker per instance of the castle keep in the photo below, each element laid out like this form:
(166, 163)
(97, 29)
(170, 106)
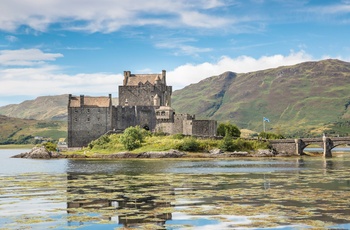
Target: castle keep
(144, 100)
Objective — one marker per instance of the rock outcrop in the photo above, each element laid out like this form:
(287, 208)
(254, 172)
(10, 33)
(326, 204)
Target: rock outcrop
(39, 153)
(167, 154)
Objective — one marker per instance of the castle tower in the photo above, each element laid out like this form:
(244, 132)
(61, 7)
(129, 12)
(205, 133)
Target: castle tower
(142, 89)
(156, 101)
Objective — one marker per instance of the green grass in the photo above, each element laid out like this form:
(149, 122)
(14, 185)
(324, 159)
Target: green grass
(16, 146)
(155, 143)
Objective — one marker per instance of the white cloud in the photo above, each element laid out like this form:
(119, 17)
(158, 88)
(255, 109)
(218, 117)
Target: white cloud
(11, 38)
(48, 79)
(189, 73)
(45, 80)
(109, 15)
(26, 57)
(180, 47)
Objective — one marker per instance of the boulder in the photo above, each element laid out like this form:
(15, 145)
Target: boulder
(265, 153)
(168, 154)
(216, 151)
(237, 154)
(39, 153)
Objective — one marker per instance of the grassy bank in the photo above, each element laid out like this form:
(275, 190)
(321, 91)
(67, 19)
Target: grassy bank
(16, 146)
(155, 143)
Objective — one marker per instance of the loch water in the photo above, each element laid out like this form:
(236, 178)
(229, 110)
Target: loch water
(240, 193)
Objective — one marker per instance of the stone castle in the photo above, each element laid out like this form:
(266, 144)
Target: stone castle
(144, 100)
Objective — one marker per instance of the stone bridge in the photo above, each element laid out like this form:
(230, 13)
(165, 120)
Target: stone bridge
(296, 146)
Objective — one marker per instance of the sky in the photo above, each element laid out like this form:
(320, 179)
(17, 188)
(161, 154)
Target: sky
(53, 47)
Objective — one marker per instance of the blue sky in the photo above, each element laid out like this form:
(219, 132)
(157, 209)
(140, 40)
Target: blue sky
(51, 47)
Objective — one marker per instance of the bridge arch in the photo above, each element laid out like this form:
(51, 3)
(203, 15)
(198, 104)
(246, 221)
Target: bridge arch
(297, 146)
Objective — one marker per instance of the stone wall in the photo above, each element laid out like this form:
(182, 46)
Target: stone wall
(204, 127)
(87, 123)
(126, 116)
(284, 146)
(143, 94)
(179, 122)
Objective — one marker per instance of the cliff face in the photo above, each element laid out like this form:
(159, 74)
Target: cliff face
(308, 96)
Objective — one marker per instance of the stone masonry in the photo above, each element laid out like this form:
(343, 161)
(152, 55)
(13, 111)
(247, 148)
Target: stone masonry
(144, 100)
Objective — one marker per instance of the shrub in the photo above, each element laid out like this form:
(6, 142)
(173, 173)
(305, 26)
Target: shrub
(230, 128)
(243, 145)
(270, 136)
(133, 137)
(208, 144)
(49, 146)
(178, 136)
(227, 143)
(189, 144)
(159, 134)
(100, 142)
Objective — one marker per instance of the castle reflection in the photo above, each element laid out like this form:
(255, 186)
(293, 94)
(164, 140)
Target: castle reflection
(118, 201)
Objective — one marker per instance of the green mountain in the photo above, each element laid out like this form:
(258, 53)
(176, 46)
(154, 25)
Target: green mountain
(311, 97)
(42, 108)
(24, 131)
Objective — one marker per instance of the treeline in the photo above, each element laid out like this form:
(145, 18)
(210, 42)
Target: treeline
(29, 139)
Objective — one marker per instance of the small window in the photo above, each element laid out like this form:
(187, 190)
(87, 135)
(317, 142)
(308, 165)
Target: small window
(75, 119)
(88, 110)
(76, 110)
(88, 119)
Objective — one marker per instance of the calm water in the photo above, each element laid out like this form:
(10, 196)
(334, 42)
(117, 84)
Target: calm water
(269, 193)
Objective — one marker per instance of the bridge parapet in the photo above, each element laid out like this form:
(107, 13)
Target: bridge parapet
(297, 146)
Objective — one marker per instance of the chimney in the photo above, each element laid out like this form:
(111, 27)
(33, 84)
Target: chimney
(163, 76)
(81, 100)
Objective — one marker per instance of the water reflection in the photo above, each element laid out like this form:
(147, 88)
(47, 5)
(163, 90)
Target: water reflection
(123, 203)
(328, 165)
(287, 193)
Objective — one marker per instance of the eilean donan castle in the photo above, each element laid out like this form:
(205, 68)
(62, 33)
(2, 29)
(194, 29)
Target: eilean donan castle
(144, 100)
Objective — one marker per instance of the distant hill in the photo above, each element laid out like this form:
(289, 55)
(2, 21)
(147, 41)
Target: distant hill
(42, 108)
(22, 131)
(308, 97)
(311, 97)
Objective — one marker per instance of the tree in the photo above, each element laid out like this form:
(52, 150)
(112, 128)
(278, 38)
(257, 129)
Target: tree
(132, 137)
(228, 128)
(227, 143)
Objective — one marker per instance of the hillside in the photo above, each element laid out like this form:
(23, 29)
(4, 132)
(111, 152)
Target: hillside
(24, 130)
(311, 96)
(42, 108)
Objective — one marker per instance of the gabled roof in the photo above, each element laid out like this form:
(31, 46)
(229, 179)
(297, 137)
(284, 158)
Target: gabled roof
(90, 101)
(135, 79)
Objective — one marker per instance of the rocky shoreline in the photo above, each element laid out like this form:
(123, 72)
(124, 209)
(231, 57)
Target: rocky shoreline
(42, 153)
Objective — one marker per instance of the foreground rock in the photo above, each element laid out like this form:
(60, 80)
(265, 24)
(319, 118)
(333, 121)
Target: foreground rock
(39, 153)
(168, 154)
(42, 153)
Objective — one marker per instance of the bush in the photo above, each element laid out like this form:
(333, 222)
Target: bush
(189, 144)
(49, 146)
(271, 136)
(230, 128)
(100, 142)
(178, 136)
(133, 137)
(227, 143)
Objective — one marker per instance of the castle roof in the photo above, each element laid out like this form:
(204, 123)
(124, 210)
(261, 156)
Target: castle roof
(135, 79)
(89, 101)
